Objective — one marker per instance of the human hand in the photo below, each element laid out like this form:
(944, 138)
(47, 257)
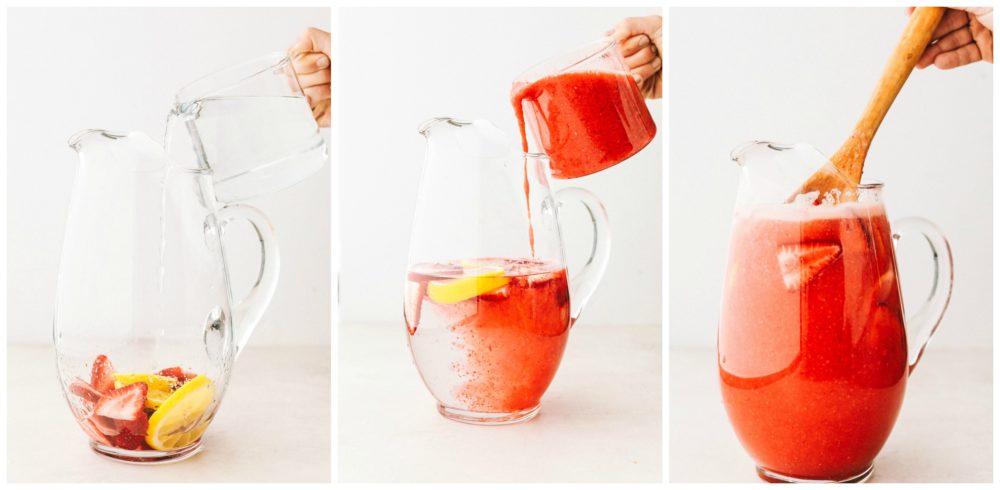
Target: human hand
(964, 36)
(310, 57)
(640, 43)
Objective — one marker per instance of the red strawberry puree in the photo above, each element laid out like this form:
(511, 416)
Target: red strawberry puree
(515, 342)
(586, 121)
(812, 350)
(512, 338)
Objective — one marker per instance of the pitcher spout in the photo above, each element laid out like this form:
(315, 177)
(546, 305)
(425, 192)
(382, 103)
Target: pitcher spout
(119, 151)
(77, 140)
(425, 127)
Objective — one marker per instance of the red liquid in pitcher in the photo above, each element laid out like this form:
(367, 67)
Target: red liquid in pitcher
(812, 350)
(585, 121)
(488, 335)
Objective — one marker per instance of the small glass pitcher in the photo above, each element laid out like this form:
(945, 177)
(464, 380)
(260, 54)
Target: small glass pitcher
(146, 330)
(814, 348)
(488, 301)
(250, 124)
(584, 109)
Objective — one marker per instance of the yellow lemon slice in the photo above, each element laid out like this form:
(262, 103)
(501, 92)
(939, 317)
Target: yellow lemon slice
(478, 280)
(160, 387)
(177, 423)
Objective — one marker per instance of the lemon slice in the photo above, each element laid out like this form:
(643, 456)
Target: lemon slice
(160, 387)
(178, 422)
(477, 280)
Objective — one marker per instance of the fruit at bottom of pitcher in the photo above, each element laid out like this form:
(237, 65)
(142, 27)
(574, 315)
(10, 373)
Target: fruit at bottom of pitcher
(178, 422)
(140, 411)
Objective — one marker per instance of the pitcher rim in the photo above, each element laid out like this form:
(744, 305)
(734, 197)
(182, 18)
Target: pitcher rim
(280, 58)
(603, 44)
(75, 142)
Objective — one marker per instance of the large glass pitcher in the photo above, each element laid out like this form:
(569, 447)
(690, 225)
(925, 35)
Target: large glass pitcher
(814, 346)
(489, 303)
(146, 329)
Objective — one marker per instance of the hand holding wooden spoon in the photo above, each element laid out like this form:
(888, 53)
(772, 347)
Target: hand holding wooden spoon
(964, 36)
(850, 158)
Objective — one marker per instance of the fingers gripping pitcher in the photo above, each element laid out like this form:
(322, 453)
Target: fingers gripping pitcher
(814, 347)
(488, 300)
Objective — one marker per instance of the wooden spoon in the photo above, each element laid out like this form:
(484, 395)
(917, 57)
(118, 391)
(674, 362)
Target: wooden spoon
(850, 158)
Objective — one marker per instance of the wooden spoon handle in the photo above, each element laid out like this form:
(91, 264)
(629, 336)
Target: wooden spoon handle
(850, 157)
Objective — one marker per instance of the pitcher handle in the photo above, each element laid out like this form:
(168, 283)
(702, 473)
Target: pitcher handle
(584, 283)
(925, 321)
(248, 311)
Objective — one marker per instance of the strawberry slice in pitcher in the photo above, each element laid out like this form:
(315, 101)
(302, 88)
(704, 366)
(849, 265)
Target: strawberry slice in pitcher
(85, 391)
(177, 373)
(801, 263)
(102, 374)
(93, 432)
(125, 403)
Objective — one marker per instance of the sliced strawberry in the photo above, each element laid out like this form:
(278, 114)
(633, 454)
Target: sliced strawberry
(125, 403)
(101, 374)
(128, 440)
(415, 292)
(95, 435)
(83, 390)
(105, 425)
(801, 263)
(137, 426)
(177, 373)
(132, 434)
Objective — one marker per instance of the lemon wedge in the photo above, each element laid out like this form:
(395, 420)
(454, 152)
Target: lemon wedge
(160, 387)
(178, 422)
(477, 280)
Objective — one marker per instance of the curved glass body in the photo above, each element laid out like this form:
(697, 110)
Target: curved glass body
(813, 351)
(488, 299)
(145, 329)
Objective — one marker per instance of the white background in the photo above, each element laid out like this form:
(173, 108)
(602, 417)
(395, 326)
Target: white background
(70, 69)
(403, 68)
(804, 75)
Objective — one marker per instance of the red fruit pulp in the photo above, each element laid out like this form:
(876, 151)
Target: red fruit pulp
(101, 374)
(586, 121)
(813, 368)
(177, 373)
(512, 338)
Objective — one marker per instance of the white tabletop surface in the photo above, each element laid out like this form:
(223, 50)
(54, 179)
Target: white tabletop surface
(600, 419)
(944, 432)
(274, 424)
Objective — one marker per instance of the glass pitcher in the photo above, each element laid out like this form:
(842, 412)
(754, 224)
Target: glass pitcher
(584, 110)
(488, 301)
(250, 124)
(146, 329)
(814, 348)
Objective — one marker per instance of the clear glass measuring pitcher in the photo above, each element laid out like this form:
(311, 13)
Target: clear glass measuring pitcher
(814, 346)
(489, 303)
(250, 124)
(146, 329)
(583, 109)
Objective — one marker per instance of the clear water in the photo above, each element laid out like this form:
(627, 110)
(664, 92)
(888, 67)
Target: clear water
(254, 145)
